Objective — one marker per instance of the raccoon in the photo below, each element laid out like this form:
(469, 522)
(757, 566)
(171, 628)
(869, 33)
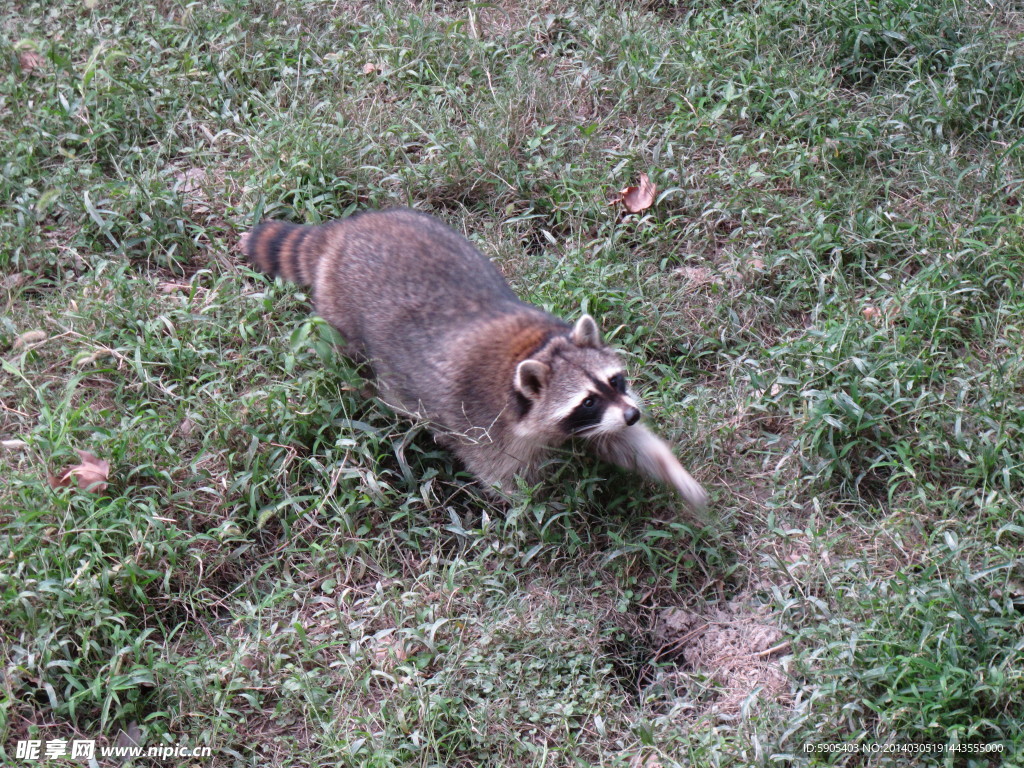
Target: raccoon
(499, 381)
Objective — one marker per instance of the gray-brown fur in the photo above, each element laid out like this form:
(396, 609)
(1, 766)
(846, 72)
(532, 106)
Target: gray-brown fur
(450, 342)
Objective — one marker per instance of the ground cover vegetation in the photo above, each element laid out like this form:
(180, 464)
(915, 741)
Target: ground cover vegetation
(822, 309)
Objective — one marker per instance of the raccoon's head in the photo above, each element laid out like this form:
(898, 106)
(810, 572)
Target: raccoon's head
(575, 387)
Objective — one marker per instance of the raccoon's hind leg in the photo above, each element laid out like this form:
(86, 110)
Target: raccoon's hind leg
(637, 448)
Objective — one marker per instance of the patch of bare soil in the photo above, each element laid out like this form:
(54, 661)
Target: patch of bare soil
(736, 645)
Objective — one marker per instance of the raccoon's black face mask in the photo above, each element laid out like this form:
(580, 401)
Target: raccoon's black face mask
(576, 386)
(607, 406)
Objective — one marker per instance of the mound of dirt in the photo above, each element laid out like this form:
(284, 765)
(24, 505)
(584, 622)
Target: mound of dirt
(736, 645)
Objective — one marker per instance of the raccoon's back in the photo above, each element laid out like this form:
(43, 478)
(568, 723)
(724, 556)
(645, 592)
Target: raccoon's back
(395, 282)
(409, 259)
(399, 256)
(430, 312)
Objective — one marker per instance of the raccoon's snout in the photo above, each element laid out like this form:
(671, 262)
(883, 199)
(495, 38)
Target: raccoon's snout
(631, 415)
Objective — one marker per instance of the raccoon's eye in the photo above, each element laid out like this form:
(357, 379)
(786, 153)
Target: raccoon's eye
(589, 402)
(618, 381)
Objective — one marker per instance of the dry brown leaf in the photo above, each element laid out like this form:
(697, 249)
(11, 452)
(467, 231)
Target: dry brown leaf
(638, 198)
(91, 475)
(390, 651)
(30, 61)
(773, 391)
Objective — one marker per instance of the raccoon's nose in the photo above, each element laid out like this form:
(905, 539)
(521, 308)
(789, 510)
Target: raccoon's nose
(631, 415)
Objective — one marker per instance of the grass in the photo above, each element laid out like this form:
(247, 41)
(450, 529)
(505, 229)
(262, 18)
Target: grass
(822, 310)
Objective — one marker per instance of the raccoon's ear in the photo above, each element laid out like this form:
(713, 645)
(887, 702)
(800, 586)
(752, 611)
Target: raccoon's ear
(585, 333)
(531, 377)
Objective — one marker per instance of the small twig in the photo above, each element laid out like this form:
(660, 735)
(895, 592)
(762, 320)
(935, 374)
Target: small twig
(783, 646)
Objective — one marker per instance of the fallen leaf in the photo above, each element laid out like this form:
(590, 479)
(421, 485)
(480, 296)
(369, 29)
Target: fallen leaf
(871, 312)
(390, 651)
(30, 61)
(369, 68)
(638, 198)
(775, 390)
(91, 475)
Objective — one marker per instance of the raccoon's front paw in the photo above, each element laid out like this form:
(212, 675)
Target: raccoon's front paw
(691, 491)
